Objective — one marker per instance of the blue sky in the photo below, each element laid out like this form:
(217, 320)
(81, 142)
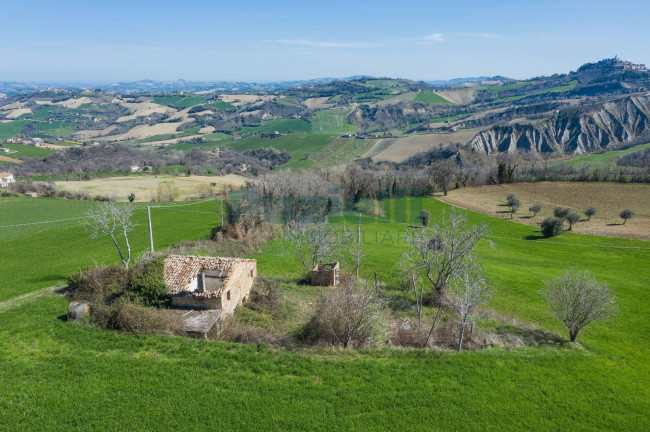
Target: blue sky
(101, 41)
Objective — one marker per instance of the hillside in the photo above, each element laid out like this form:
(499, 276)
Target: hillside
(600, 106)
(152, 382)
(606, 125)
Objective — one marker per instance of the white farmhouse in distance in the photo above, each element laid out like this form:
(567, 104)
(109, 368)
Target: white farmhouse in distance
(6, 179)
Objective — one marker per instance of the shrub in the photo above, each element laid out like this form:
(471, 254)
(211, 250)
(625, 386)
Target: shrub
(426, 217)
(148, 286)
(590, 211)
(266, 296)
(347, 316)
(626, 214)
(96, 284)
(535, 208)
(561, 212)
(572, 218)
(552, 227)
(125, 316)
(513, 201)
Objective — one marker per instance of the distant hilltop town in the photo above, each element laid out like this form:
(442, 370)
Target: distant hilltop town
(627, 65)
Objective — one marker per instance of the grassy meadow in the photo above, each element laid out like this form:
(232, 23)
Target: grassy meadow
(11, 129)
(59, 376)
(333, 122)
(432, 98)
(296, 144)
(601, 160)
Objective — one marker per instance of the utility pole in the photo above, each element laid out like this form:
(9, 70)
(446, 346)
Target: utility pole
(358, 246)
(150, 230)
(221, 201)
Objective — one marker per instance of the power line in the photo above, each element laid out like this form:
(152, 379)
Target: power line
(42, 222)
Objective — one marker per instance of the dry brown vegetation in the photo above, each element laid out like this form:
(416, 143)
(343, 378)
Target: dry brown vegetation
(403, 148)
(608, 198)
(144, 186)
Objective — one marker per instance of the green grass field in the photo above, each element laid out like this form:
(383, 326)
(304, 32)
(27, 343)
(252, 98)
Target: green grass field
(56, 128)
(180, 101)
(60, 376)
(333, 122)
(284, 126)
(500, 88)
(25, 151)
(557, 89)
(601, 160)
(296, 144)
(12, 128)
(342, 151)
(185, 132)
(221, 105)
(431, 98)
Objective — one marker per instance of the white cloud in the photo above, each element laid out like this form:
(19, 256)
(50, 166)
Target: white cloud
(319, 44)
(432, 38)
(483, 35)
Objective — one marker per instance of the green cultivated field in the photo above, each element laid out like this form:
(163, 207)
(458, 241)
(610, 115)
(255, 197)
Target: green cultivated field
(25, 151)
(180, 101)
(60, 376)
(284, 126)
(333, 122)
(557, 89)
(296, 144)
(432, 98)
(500, 88)
(602, 160)
(11, 129)
(56, 128)
(221, 105)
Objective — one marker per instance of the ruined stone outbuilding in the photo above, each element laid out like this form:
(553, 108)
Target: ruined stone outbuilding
(215, 283)
(326, 274)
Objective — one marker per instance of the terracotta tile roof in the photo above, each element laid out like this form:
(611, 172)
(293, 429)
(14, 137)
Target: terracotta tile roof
(181, 269)
(5, 174)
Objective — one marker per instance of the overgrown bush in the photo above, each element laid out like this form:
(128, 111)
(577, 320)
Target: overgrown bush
(347, 316)
(148, 285)
(125, 316)
(96, 284)
(552, 227)
(266, 296)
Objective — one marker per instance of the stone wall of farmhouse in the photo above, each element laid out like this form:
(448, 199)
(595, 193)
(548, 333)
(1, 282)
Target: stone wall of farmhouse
(238, 286)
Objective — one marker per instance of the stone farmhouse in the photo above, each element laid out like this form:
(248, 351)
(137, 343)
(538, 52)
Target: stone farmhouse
(214, 283)
(6, 179)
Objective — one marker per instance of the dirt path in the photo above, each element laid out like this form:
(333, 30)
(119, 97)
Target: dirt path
(26, 298)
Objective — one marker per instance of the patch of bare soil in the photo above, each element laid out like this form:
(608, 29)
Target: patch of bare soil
(403, 148)
(608, 198)
(10, 160)
(459, 97)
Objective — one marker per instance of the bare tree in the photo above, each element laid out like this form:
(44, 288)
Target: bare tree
(444, 173)
(442, 251)
(578, 299)
(355, 183)
(314, 243)
(113, 220)
(468, 290)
